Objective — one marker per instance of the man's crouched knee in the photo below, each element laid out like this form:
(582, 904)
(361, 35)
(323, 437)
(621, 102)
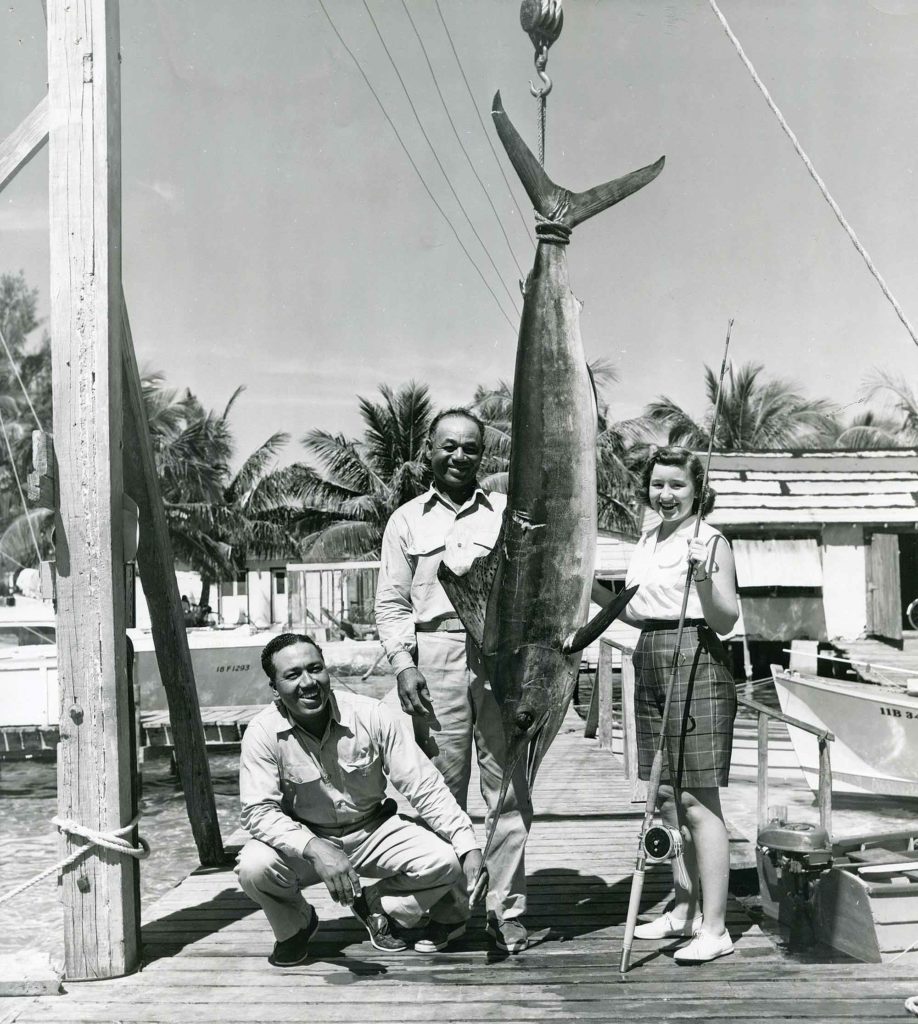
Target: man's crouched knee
(260, 866)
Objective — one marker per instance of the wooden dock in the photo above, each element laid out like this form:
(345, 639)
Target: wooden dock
(205, 947)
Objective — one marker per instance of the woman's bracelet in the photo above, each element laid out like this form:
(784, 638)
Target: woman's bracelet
(700, 579)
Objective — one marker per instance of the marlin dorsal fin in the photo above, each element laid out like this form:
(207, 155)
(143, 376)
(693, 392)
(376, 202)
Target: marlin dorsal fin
(470, 593)
(551, 201)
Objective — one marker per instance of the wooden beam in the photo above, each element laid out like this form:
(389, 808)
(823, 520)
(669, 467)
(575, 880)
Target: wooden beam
(100, 891)
(157, 571)
(18, 148)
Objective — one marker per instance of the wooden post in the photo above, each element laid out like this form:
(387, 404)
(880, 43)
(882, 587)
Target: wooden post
(603, 684)
(824, 794)
(99, 891)
(157, 571)
(761, 777)
(23, 143)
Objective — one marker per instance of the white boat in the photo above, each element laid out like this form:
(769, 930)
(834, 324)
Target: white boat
(875, 729)
(227, 665)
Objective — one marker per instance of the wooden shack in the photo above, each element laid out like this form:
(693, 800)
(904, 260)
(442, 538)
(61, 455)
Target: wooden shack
(825, 542)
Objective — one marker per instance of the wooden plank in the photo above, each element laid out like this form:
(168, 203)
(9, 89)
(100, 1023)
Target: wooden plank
(884, 587)
(167, 620)
(18, 148)
(100, 892)
(28, 973)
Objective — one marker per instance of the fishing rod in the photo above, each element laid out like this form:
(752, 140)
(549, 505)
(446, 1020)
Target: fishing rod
(655, 842)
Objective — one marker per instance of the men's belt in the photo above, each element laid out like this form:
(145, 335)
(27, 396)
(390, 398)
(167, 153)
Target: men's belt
(443, 624)
(375, 818)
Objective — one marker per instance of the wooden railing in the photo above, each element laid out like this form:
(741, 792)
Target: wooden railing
(603, 700)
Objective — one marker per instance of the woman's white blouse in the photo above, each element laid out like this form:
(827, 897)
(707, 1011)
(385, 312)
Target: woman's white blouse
(659, 568)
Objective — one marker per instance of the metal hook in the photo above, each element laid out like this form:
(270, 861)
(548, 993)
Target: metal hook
(546, 85)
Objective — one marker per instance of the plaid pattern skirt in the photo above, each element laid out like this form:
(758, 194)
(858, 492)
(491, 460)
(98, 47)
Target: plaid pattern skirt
(700, 732)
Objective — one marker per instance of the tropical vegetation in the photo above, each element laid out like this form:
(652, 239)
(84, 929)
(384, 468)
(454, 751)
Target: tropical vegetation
(335, 502)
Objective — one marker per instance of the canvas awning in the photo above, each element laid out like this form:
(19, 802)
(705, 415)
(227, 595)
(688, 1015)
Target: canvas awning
(779, 562)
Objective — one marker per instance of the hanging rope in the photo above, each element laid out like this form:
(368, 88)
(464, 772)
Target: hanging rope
(108, 840)
(542, 20)
(25, 507)
(9, 355)
(813, 174)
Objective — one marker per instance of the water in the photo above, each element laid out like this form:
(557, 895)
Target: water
(29, 842)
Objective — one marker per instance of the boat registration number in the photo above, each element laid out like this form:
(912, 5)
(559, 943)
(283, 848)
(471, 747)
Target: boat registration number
(233, 668)
(897, 712)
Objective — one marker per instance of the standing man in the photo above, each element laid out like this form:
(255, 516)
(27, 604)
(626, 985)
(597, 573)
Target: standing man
(312, 780)
(440, 674)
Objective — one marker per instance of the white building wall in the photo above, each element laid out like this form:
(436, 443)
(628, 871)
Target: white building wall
(259, 581)
(189, 585)
(844, 580)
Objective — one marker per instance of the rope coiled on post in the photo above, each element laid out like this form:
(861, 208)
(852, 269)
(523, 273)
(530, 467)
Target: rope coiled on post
(107, 840)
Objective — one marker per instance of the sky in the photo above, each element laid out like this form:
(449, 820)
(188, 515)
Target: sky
(276, 235)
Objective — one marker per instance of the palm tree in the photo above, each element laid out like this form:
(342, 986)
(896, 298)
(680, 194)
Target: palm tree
(217, 519)
(348, 500)
(755, 414)
(893, 425)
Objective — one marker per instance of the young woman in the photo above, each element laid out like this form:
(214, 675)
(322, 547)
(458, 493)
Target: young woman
(700, 726)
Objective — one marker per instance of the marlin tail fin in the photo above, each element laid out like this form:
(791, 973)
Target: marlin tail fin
(553, 202)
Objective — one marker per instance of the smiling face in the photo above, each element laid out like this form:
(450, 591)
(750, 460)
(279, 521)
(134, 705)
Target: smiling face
(455, 451)
(671, 493)
(301, 681)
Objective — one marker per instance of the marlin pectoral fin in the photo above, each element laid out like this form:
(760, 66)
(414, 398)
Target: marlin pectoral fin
(469, 594)
(594, 629)
(552, 201)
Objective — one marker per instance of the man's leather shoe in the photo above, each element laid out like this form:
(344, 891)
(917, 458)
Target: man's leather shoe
(295, 950)
(380, 929)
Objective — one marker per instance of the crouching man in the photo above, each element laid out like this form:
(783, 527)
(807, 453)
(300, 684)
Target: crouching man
(312, 782)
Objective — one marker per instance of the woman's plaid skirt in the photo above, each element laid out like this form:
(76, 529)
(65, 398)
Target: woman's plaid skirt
(700, 730)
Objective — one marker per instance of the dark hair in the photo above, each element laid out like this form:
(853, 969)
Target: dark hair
(456, 411)
(278, 643)
(684, 458)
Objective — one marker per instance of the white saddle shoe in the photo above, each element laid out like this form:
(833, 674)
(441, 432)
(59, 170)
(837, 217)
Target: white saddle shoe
(668, 927)
(703, 948)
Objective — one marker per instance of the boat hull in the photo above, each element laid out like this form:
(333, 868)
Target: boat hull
(875, 750)
(227, 670)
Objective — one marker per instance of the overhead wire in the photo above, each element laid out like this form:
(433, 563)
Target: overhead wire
(436, 157)
(823, 188)
(487, 136)
(9, 355)
(414, 165)
(465, 152)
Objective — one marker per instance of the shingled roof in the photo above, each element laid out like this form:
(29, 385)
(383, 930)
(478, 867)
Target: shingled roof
(814, 487)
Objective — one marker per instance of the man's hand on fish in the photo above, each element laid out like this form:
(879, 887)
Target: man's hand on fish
(335, 870)
(413, 693)
(471, 865)
(474, 872)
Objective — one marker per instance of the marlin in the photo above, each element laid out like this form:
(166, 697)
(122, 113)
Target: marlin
(526, 603)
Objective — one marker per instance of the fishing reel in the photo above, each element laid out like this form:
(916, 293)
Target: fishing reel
(661, 843)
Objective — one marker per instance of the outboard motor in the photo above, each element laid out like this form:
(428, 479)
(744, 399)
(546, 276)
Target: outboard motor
(791, 857)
